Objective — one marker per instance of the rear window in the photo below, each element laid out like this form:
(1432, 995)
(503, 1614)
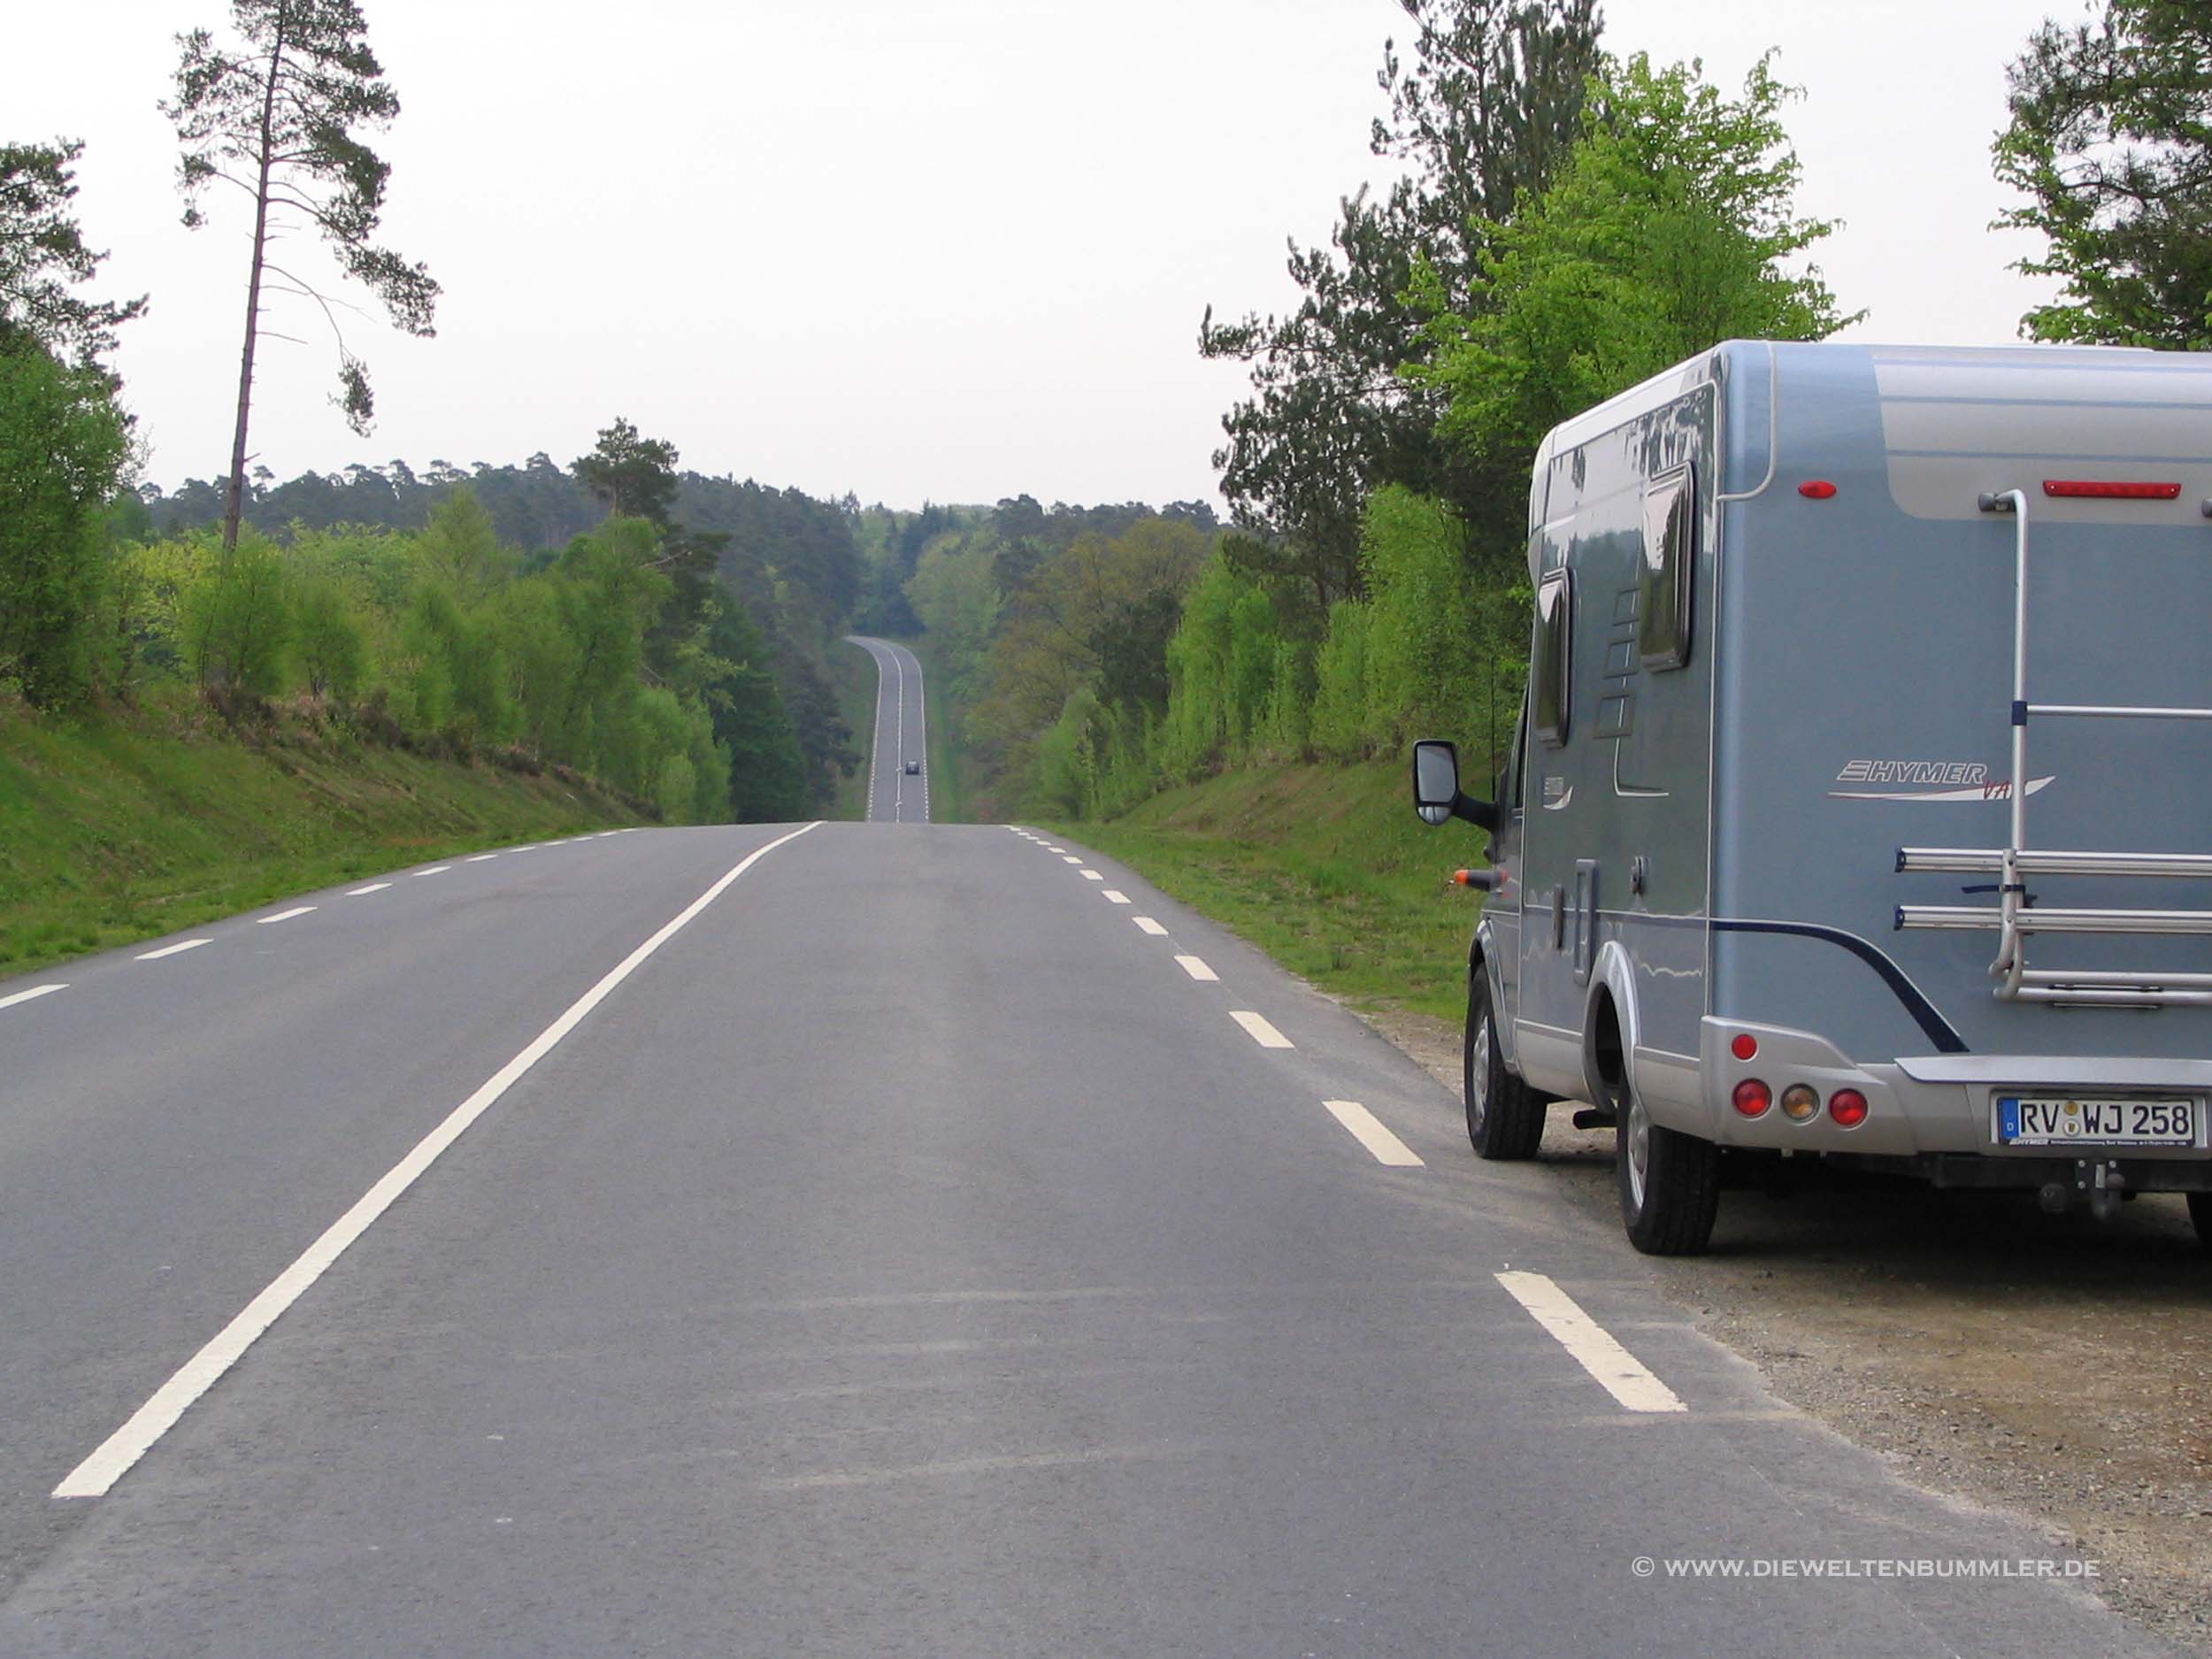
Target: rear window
(1550, 677)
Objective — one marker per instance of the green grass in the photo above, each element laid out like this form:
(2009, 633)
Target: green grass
(1325, 868)
(118, 829)
(856, 671)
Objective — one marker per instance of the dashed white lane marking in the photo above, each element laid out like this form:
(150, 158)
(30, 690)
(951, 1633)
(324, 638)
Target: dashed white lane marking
(1070, 859)
(172, 950)
(283, 916)
(481, 859)
(1093, 875)
(1261, 1032)
(532, 848)
(373, 886)
(1117, 898)
(1620, 1373)
(1198, 970)
(1371, 1133)
(1150, 926)
(1048, 847)
(434, 870)
(34, 992)
(97, 1474)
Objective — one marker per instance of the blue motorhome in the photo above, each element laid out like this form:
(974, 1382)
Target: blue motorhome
(1862, 801)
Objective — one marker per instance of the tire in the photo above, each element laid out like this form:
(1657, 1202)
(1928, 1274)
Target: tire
(2200, 1212)
(1505, 1118)
(1670, 1186)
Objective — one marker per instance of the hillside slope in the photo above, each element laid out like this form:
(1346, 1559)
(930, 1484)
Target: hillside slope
(114, 828)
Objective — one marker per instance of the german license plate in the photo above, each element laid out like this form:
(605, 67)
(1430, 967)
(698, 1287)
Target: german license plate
(2044, 1120)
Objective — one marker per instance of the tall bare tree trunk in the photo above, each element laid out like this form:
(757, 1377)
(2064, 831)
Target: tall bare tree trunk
(234, 494)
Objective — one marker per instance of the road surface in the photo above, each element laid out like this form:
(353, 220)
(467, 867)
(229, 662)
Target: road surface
(731, 1241)
(899, 739)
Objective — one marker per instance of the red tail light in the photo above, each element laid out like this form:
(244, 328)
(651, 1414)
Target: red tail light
(2110, 489)
(1847, 1107)
(1752, 1097)
(1745, 1047)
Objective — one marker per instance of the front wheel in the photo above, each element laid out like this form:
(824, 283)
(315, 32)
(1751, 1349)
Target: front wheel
(1505, 1116)
(1670, 1186)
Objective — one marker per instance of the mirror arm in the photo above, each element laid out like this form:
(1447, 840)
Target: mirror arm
(1481, 814)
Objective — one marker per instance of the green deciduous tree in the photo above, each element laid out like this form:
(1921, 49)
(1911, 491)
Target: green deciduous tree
(1671, 227)
(63, 446)
(278, 112)
(2111, 139)
(42, 257)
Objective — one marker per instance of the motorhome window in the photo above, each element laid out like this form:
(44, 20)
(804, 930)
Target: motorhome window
(1548, 675)
(1667, 576)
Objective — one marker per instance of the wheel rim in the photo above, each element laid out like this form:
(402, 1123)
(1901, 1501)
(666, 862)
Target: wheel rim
(1478, 1074)
(1636, 1149)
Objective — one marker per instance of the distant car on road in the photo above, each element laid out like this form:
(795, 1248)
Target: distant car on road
(913, 768)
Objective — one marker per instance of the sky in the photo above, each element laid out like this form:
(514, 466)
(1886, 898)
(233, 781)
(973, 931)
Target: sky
(914, 250)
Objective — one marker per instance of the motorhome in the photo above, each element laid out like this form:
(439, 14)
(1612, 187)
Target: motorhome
(1861, 806)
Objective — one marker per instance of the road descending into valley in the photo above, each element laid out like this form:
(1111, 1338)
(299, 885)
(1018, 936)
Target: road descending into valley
(842, 1240)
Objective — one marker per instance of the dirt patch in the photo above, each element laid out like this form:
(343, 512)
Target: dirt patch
(2052, 1366)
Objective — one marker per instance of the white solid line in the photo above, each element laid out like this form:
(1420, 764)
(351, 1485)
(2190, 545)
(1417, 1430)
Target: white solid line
(1118, 898)
(1093, 875)
(1198, 970)
(97, 1474)
(35, 991)
(1070, 859)
(1263, 1033)
(283, 916)
(481, 859)
(434, 870)
(172, 950)
(1623, 1376)
(373, 886)
(1150, 926)
(1369, 1132)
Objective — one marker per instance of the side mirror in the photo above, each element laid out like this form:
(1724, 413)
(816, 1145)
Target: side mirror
(1436, 793)
(1435, 779)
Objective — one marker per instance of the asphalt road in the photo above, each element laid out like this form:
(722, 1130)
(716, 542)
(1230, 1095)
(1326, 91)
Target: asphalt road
(899, 738)
(916, 1251)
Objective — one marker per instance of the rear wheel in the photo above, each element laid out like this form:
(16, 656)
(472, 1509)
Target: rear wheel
(1670, 1186)
(2200, 1212)
(1505, 1118)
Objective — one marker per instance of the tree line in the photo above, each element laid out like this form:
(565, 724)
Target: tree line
(1568, 222)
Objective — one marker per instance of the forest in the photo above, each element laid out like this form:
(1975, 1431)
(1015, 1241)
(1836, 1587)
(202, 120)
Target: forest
(1562, 222)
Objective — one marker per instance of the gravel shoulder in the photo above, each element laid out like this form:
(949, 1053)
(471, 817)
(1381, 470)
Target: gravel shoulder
(2054, 1367)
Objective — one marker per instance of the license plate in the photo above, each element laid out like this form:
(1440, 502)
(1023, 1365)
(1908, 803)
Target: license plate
(2037, 1120)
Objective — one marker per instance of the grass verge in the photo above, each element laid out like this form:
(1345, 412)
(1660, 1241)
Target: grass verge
(118, 829)
(1325, 868)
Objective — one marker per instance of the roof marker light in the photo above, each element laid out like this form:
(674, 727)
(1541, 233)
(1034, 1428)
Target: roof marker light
(1816, 489)
(2111, 489)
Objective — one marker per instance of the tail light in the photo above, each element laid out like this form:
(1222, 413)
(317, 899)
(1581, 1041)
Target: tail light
(1847, 1107)
(1743, 1046)
(1752, 1097)
(1800, 1101)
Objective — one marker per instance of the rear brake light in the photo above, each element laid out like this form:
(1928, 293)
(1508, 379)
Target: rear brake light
(1847, 1107)
(2110, 489)
(1752, 1097)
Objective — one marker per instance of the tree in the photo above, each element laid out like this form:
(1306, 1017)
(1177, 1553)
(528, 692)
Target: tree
(63, 447)
(1670, 226)
(2111, 139)
(634, 475)
(42, 255)
(1480, 112)
(277, 115)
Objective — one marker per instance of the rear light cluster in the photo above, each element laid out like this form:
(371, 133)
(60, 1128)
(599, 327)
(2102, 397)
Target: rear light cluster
(1801, 1101)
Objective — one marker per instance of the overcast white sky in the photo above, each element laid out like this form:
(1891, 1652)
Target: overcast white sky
(952, 250)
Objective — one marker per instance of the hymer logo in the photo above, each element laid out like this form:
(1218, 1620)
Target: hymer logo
(1926, 780)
